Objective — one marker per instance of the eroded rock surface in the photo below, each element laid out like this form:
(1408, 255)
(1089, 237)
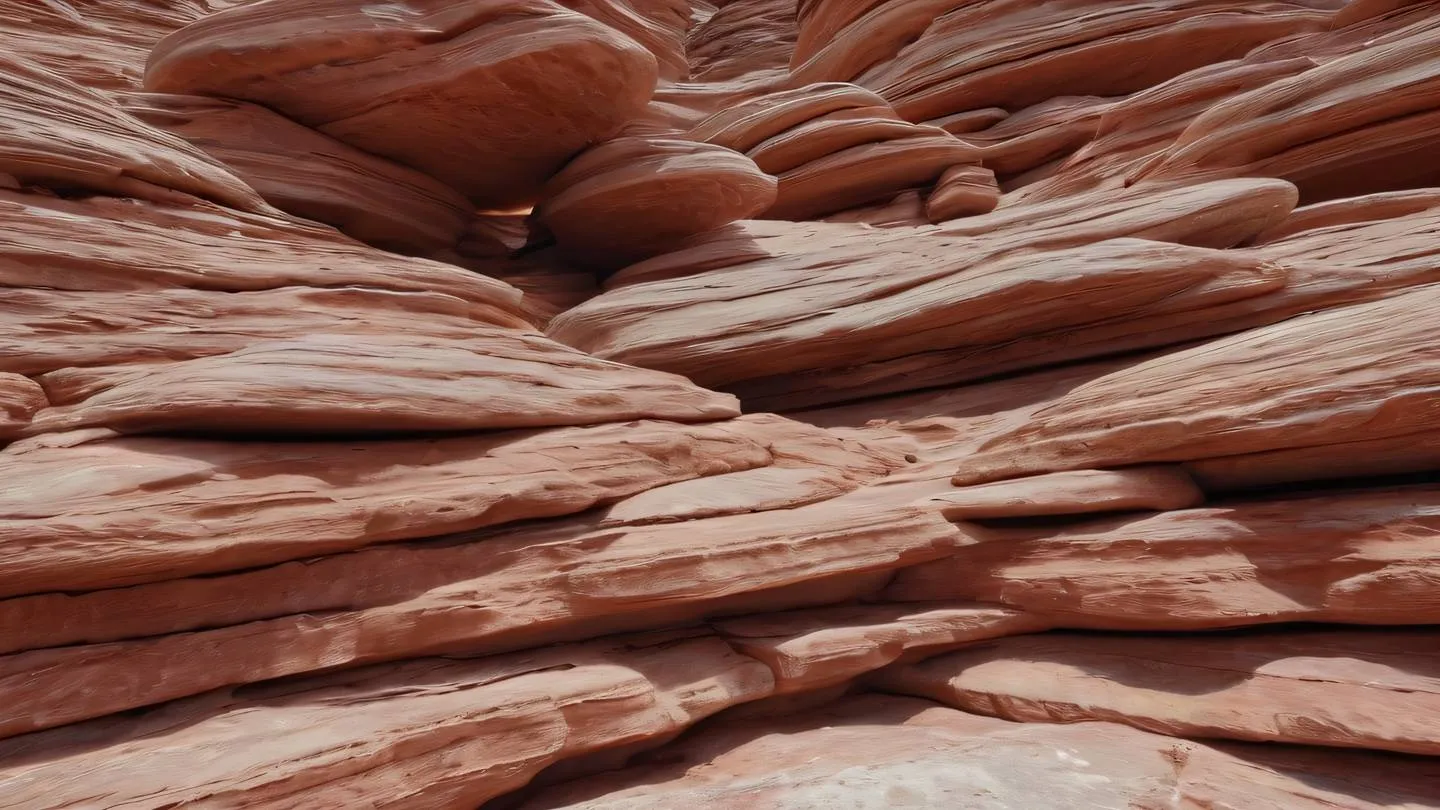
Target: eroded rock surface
(877, 753)
(309, 174)
(389, 392)
(488, 99)
(1360, 690)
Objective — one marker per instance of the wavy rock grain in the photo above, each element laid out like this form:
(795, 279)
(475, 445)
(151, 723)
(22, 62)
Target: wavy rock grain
(305, 173)
(1357, 373)
(1340, 688)
(877, 753)
(1105, 331)
(350, 385)
(56, 133)
(488, 99)
(123, 245)
(426, 733)
(615, 204)
(1365, 557)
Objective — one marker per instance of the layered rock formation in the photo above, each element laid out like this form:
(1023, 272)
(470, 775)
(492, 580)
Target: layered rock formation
(642, 403)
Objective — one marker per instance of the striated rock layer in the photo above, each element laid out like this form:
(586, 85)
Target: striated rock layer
(652, 403)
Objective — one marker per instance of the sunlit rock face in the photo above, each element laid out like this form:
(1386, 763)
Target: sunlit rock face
(624, 404)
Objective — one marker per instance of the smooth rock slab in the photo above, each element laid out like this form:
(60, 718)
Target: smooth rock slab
(1377, 689)
(312, 175)
(1353, 125)
(1361, 557)
(615, 204)
(513, 588)
(751, 321)
(121, 512)
(1072, 493)
(354, 384)
(1362, 372)
(430, 733)
(815, 649)
(125, 245)
(44, 329)
(489, 98)
(58, 134)
(885, 753)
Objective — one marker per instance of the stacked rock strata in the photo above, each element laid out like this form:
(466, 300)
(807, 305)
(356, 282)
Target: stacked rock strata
(649, 403)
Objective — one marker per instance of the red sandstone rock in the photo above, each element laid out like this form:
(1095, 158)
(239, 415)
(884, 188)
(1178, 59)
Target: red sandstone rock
(348, 384)
(425, 733)
(870, 171)
(742, 127)
(142, 510)
(763, 30)
(1039, 134)
(95, 43)
(239, 621)
(100, 245)
(961, 192)
(308, 174)
(887, 305)
(49, 329)
(20, 398)
(833, 147)
(1016, 54)
(1356, 373)
(1072, 493)
(1314, 130)
(488, 99)
(1365, 557)
(359, 580)
(1344, 688)
(658, 25)
(879, 753)
(875, 283)
(56, 133)
(1129, 130)
(615, 204)
(818, 648)
(512, 589)
(1366, 208)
